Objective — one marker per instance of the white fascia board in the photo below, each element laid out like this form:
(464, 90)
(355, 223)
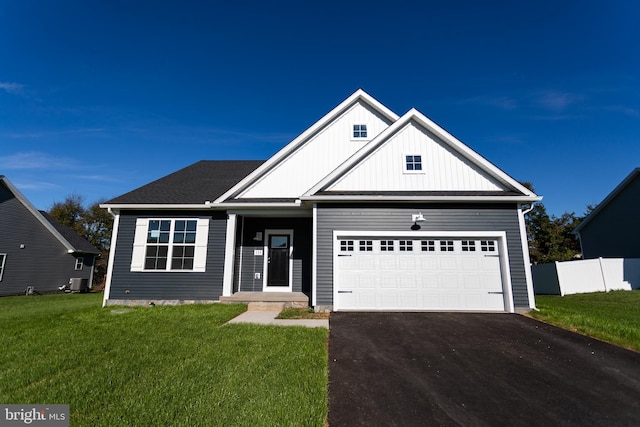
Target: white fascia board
(236, 206)
(515, 199)
(36, 213)
(152, 206)
(422, 120)
(304, 137)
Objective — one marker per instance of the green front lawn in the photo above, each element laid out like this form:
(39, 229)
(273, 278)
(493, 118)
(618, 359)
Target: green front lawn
(160, 365)
(612, 316)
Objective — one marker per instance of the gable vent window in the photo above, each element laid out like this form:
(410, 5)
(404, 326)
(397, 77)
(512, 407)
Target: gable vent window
(413, 163)
(359, 131)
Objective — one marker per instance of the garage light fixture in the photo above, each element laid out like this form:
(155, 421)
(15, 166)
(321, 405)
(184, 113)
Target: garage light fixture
(416, 218)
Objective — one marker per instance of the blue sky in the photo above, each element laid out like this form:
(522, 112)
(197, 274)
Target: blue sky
(100, 97)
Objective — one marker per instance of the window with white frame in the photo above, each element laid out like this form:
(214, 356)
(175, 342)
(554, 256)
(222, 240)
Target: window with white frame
(3, 258)
(413, 163)
(79, 263)
(178, 244)
(359, 131)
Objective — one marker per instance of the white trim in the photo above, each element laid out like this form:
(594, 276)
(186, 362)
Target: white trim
(527, 259)
(314, 256)
(229, 255)
(374, 197)
(501, 236)
(414, 115)
(112, 254)
(4, 260)
(303, 138)
(154, 206)
(81, 260)
(265, 261)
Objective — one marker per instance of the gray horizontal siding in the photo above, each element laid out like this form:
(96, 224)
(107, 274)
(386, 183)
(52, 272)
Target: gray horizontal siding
(614, 231)
(398, 218)
(43, 262)
(126, 284)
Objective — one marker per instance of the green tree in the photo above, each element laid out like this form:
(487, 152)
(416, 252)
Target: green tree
(551, 238)
(92, 223)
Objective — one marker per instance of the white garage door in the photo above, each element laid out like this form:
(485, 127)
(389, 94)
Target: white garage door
(387, 273)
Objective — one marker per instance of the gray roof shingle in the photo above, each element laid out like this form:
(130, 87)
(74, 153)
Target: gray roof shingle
(194, 184)
(78, 243)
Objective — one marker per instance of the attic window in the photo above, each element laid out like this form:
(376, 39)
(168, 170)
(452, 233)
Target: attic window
(359, 131)
(413, 163)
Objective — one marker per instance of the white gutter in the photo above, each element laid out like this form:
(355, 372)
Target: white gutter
(517, 199)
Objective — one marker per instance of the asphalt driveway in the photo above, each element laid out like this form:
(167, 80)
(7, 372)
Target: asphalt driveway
(406, 369)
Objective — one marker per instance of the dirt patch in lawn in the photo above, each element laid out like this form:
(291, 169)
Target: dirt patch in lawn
(301, 313)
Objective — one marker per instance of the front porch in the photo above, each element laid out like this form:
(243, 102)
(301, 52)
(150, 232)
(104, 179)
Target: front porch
(289, 299)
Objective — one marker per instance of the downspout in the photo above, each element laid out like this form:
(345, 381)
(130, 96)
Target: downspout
(527, 259)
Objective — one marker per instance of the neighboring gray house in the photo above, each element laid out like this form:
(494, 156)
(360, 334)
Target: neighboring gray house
(612, 229)
(36, 250)
(365, 210)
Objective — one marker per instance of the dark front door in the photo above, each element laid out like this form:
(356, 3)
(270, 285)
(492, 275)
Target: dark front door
(278, 260)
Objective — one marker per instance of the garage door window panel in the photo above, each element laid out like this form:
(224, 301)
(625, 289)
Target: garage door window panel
(446, 246)
(428, 245)
(406, 245)
(387, 245)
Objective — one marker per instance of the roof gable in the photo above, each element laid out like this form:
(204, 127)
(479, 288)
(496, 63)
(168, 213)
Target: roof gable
(448, 165)
(627, 184)
(67, 237)
(316, 152)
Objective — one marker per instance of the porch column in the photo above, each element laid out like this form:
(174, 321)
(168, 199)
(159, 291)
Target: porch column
(229, 255)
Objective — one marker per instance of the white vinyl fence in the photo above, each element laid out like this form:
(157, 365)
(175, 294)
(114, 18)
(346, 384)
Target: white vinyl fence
(588, 275)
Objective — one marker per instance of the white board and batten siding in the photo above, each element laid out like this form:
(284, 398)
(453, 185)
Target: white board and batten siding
(443, 169)
(320, 155)
(424, 271)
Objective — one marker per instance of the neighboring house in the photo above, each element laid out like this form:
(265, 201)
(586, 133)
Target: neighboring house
(37, 251)
(365, 210)
(612, 229)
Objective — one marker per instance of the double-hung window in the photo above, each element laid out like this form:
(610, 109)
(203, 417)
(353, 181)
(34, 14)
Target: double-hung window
(170, 244)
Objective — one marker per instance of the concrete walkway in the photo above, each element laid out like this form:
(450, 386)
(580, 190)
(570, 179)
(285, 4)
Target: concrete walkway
(268, 317)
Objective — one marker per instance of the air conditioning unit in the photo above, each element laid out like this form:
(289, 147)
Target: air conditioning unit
(77, 284)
